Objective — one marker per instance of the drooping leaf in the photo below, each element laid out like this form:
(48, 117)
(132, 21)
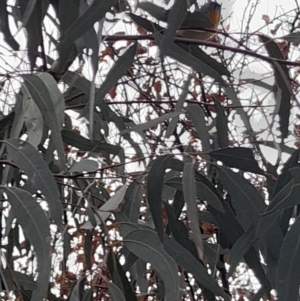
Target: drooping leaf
(185, 259)
(222, 125)
(78, 141)
(146, 244)
(151, 123)
(289, 264)
(94, 13)
(148, 25)
(36, 229)
(4, 27)
(155, 11)
(246, 200)
(197, 117)
(175, 18)
(238, 157)
(84, 165)
(28, 159)
(133, 198)
(189, 192)
(282, 84)
(179, 107)
(120, 67)
(119, 278)
(240, 248)
(15, 278)
(203, 191)
(33, 16)
(154, 191)
(115, 292)
(105, 210)
(33, 119)
(37, 87)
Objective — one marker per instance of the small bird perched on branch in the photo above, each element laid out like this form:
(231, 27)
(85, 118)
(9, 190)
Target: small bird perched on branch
(213, 11)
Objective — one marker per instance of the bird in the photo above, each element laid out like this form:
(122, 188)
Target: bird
(213, 11)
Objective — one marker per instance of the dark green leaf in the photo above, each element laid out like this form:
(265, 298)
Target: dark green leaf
(238, 157)
(185, 259)
(246, 200)
(78, 141)
(222, 125)
(115, 293)
(4, 27)
(241, 246)
(120, 67)
(94, 13)
(37, 86)
(145, 23)
(189, 192)
(175, 19)
(154, 191)
(282, 84)
(119, 278)
(151, 123)
(84, 165)
(146, 244)
(197, 117)
(289, 265)
(36, 229)
(155, 11)
(39, 176)
(133, 198)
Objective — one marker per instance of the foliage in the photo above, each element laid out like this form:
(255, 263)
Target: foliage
(133, 176)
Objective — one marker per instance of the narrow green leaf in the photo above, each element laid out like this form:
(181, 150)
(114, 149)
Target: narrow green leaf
(282, 84)
(94, 13)
(14, 278)
(222, 125)
(120, 68)
(39, 91)
(186, 260)
(146, 244)
(155, 11)
(36, 229)
(287, 197)
(293, 37)
(197, 117)
(179, 106)
(154, 191)
(84, 165)
(148, 25)
(115, 293)
(33, 119)
(189, 192)
(241, 246)
(28, 159)
(78, 141)
(119, 278)
(106, 210)
(246, 200)
(28, 11)
(204, 193)
(289, 265)
(175, 19)
(238, 157)
(133, 198)
(188, 59)
(5, 28)
(151, 123)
